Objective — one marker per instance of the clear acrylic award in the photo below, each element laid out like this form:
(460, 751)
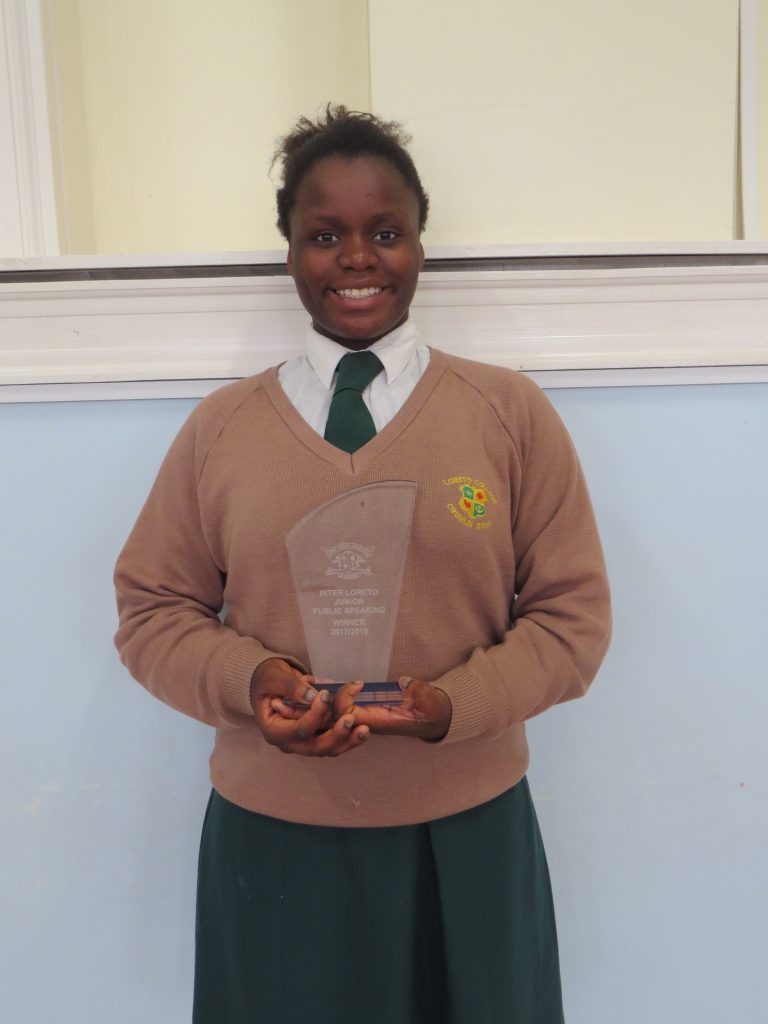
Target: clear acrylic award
(347, 560)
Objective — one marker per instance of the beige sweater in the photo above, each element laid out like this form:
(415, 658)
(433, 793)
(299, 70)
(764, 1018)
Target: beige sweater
(505, 607)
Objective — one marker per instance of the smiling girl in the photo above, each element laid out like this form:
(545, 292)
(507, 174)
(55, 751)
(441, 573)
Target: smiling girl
(390, 867)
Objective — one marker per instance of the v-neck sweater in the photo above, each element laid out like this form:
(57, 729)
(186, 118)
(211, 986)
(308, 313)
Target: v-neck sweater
(504, 602)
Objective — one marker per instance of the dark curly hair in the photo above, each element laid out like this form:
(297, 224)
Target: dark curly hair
(341, 132)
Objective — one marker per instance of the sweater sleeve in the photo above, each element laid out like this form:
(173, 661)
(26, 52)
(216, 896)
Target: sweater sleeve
(170, 592)
(560, 619)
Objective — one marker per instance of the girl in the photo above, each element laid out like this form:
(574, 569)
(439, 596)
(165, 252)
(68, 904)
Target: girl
(390, 867)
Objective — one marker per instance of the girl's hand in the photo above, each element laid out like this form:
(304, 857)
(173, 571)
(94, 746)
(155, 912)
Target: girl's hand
(305, 727)
(425, 711)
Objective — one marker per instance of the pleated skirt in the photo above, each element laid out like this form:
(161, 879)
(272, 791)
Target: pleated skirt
(447, 922)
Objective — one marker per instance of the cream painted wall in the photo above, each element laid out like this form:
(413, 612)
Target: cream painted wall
(169, 110)
(533, 120)
(548, 120)
(69, 127)
(762, 111)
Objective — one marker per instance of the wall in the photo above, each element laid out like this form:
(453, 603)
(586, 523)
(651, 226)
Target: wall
(170, 109)
(762, 112)
(70, 130)
(588, 122)
(557, 122)
(651, 791)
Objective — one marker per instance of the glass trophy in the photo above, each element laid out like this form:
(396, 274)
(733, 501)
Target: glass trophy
(347, 559)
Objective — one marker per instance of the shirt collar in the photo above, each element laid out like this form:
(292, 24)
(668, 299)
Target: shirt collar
(395, 351)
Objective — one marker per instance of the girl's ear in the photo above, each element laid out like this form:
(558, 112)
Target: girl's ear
(421, 256)
(289, 261)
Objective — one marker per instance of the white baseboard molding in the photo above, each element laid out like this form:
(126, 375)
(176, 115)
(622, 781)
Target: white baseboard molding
(180, 337)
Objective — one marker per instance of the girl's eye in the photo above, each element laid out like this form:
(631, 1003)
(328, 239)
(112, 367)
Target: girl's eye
(326, 236)
(386, 235)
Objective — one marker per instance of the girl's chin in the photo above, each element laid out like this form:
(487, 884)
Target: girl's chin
(356, 336)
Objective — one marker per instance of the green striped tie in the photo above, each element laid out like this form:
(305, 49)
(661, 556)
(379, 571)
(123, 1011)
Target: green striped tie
(350, 424)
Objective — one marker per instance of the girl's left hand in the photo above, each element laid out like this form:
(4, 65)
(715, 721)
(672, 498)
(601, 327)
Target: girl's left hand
(425, 711)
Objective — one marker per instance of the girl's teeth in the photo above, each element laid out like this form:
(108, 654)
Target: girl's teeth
(357, 293)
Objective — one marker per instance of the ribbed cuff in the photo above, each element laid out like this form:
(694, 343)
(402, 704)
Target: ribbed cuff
(237, 674)
(471, 700)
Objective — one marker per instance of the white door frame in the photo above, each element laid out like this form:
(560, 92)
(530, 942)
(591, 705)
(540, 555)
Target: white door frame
(27, 199)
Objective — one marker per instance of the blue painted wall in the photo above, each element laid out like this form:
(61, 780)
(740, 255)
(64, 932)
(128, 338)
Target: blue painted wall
(652, 793)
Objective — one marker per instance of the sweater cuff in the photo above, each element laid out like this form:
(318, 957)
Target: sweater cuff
(471, 701)
(237, 673)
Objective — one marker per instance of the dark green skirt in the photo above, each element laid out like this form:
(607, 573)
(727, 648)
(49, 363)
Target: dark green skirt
(449, 922)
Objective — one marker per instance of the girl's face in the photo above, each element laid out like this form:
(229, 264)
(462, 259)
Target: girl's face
(354, 251)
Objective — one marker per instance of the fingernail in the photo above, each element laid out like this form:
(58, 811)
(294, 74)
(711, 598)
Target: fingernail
(326, 696)
(349, 723)
(310, 693)
(404, 682)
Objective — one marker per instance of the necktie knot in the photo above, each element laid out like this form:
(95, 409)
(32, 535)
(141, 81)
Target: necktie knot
(356, 370)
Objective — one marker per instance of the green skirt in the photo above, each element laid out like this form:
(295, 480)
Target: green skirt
(449, 922)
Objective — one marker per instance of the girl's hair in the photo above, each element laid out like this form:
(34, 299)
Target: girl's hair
(346, 133)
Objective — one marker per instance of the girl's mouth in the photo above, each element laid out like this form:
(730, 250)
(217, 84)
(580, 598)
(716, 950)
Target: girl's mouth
(357, 293)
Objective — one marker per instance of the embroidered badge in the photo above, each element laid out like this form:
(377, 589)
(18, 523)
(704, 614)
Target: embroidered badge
(472, 500)
(348, 561)
(473, 503)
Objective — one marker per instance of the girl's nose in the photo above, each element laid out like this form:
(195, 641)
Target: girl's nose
(358, 253)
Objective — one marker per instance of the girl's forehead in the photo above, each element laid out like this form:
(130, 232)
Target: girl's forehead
(345, 181)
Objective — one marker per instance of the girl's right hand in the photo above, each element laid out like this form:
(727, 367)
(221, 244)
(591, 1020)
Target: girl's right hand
(305, 726)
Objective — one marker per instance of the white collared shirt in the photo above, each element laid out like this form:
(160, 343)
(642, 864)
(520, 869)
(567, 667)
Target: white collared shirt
(309, 379)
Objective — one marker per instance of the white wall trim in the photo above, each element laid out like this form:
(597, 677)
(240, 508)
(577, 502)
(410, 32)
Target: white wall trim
(709, 248)
(569, 328)
(24, 86)
(547, 379)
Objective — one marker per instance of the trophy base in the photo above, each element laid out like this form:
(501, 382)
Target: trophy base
(371, 693)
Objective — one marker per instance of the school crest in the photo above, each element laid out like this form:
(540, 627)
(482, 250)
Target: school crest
(473, 502)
